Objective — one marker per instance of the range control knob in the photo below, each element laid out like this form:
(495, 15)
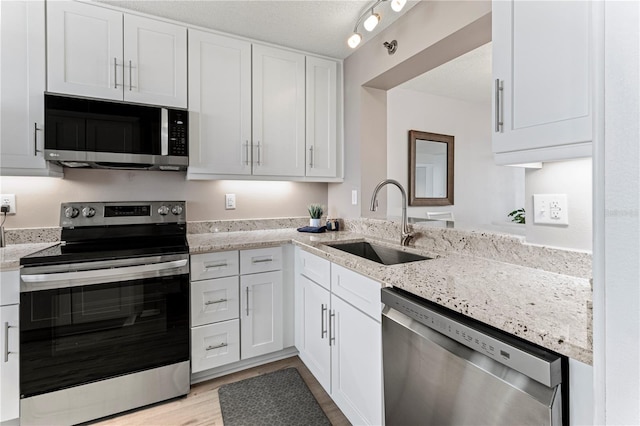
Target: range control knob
(163, 210)
(177, 209)
(88, 212)
(71, 212)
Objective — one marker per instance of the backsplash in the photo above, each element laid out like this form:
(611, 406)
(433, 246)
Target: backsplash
(32, 235)
(205, 226)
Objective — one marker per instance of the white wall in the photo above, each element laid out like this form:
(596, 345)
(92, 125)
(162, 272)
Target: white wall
(563, 177)
(424, 25)
(483, 192)
(38, 198)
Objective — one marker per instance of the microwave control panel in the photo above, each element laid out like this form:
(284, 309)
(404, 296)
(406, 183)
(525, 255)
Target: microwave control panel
(178, 128)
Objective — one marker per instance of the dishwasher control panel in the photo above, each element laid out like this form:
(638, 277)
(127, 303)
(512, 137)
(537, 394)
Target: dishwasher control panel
(545, 370)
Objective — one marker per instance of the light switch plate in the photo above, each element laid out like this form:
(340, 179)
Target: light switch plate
(229, 201)
(550, 209)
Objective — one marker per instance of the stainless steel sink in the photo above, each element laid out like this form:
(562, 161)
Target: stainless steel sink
(380, 254)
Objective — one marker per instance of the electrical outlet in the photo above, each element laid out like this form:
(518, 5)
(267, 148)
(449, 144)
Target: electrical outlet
(10, 200)
(229, 201)
(354, 197)
(550, 209)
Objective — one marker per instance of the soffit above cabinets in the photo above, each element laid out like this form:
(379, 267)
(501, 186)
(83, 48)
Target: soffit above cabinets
(315, 26)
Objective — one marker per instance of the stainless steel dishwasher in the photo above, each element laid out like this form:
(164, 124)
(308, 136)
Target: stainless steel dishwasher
(442, 368)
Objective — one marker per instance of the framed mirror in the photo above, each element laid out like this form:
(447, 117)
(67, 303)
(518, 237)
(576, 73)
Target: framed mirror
(430, 169)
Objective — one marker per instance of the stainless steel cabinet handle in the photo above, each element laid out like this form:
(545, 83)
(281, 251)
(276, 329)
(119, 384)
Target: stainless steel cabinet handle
(221, 345)
(215, 266)
(323, 328)
(115, 73)
(498, 113)
(247, 300)
(35, 139)
(254, 260)
(130, 80)
(311, 156)
(6, 341)
(246, 151)
(332, 326)
(259, 162)
(213, 302)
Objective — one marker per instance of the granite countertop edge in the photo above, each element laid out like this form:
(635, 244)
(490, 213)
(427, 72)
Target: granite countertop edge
(546, 308)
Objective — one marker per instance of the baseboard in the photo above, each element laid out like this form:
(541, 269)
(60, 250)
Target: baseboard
(242, 365)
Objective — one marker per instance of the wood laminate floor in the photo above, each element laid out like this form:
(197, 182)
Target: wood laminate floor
(202, 406)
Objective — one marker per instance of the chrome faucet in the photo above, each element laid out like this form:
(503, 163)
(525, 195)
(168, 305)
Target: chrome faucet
(405, 234)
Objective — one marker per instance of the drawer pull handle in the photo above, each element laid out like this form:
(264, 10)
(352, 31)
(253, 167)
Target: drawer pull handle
(270, 259)
(221, 345)
(213, 302)
(215, 266)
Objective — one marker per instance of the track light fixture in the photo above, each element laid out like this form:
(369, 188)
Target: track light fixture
(369, 20)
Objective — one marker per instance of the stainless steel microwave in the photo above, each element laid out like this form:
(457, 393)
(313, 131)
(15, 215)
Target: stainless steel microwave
(82, 132)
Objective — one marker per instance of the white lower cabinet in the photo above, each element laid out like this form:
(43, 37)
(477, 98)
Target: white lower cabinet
(340, 343)
(9, 345)
(261, 313)
(236, 306)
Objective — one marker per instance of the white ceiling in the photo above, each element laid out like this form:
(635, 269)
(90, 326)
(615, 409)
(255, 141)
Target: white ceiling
(315, 26)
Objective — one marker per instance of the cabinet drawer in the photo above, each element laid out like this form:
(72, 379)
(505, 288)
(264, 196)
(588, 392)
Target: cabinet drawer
(214, 265)
(315, 268)
(215, 345)
(356, 289)
(214, 300)
(260, 260)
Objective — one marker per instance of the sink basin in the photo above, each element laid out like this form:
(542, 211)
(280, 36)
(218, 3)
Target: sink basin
(380, 254)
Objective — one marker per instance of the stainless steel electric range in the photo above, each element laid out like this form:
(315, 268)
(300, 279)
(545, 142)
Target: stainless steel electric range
(104, 316)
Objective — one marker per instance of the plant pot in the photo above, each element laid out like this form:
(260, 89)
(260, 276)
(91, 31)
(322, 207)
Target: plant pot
(314, 222)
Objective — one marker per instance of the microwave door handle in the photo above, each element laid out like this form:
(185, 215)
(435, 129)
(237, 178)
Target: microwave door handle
(164, 131)
(100, 276)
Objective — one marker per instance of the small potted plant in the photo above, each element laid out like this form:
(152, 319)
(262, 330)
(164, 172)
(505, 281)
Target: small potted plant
(315, 212)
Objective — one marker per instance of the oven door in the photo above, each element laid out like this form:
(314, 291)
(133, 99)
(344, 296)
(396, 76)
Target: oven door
(81, 325)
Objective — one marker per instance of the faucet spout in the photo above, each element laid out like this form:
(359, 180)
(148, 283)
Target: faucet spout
(406, 235)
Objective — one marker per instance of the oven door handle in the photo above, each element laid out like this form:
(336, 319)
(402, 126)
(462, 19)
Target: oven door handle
(100, 276)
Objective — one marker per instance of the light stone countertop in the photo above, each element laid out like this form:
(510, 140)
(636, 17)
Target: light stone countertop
(11, 254)
(550, 309)
(546, 308)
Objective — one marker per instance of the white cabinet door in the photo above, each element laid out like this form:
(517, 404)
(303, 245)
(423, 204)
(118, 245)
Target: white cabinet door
(84, 45)
(312, 329)
(9, 363)
(219, 104)
(278, 112)
(260, 313)
(321, 136)
(356, 363)
(543, 56)
(22, 86)
(155, 62)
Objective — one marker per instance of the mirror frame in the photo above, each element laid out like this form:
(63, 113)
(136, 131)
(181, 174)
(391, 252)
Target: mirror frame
(415, 135)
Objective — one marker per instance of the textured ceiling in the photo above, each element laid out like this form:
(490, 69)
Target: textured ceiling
(467, 77)
(316, 26)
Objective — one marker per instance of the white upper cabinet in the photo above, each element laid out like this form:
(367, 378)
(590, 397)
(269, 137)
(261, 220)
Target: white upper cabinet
(219, 104)
(543, 61)
(22, 86)
(278, 112)
(102, 53)
(321, 135)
